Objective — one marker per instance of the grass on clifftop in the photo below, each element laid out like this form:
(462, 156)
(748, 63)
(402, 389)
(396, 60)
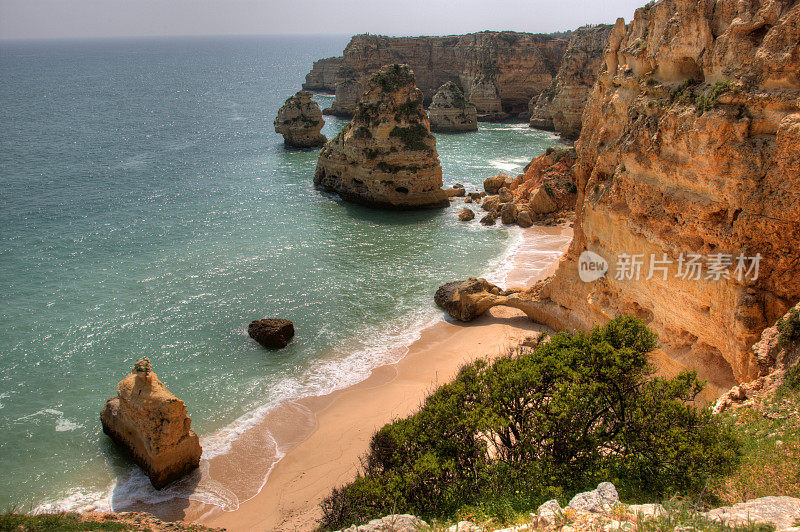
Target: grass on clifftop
(66, 522)
(770, 435)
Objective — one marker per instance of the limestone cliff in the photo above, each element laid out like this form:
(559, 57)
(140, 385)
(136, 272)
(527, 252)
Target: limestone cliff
(561, 107)
(386, 156)
(300, 122)
(498, 71)
(347, 92)
(450, 110)
(323, 75)
(152, 425)
(690, 146)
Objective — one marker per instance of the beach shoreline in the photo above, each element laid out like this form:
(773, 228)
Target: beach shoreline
(318, 440)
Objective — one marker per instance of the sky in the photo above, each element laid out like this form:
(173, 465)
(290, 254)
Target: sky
(59, 19)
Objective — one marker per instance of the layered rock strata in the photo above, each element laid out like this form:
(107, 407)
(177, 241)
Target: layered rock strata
(450, 110)
(152, 425)
(300, 122)
(689, 163)
(498, 71)
(561, 107)
(386, 156)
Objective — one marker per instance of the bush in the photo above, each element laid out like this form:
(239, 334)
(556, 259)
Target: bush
(393, 77)
(580, 409)
(413, 137)
(789, 327)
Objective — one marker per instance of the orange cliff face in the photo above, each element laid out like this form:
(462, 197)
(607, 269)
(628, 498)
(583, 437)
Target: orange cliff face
(691, 145)
(497, 71)
(688, 178)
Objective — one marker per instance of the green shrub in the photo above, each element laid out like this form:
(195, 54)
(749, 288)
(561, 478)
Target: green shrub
(413, 137)
(789, 327)
(10, 520)
(393, 77)
(580, 409)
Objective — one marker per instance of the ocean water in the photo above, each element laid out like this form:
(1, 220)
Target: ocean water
(147, 208)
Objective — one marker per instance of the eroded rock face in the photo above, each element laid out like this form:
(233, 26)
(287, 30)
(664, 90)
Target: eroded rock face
(691, 145)
(386, 157)
(499, 71)
(348, 92)
(323, 75)
(561, 107)
(152, 425)
(271, 332)
(450, 110)
(300, 122)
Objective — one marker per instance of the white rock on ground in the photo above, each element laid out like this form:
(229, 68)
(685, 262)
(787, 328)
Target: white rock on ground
(595, 500)
(783, 512)
(390, 523)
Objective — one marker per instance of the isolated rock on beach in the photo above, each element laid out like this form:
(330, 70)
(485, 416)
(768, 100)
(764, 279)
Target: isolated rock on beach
(271, 332)
(300, 122)
(152, 425)
(450, 110)
(386, 157)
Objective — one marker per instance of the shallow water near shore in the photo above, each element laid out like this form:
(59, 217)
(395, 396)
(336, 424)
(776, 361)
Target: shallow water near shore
(147, 208)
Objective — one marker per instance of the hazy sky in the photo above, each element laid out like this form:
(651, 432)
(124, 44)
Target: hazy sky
(26, 19)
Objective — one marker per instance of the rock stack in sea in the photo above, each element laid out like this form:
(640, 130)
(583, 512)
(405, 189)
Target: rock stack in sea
(450, 110)
(386, 156)
(300, 122)
(152, 425)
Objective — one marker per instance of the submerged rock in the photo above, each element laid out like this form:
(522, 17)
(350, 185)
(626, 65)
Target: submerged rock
(300, 122)
(450, 110)
(152, 425)
(466, 215)
(271, 332)
(386, 157)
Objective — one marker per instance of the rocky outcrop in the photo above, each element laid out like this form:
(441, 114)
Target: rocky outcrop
(561, 107)
(322, 77)
(348, 92)
(498, 71)
(690, 151)
(450, 110)
(386, 156)
(152, 425)
(390, 523)
(776, 352)
(300, 122)
(271, 332)
(544, 195)
(780, 512)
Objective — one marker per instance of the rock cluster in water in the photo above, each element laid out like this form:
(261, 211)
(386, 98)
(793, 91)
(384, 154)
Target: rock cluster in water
(450, 110)
(386, 156)
(300, 122)
(545, 195)
(152, 425)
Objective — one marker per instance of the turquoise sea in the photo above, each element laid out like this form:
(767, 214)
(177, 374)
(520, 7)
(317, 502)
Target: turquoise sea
(147, 208)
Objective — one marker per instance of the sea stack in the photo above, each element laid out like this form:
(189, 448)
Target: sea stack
(152, 425)
(386, 156)
(450, 110)
(300, 122)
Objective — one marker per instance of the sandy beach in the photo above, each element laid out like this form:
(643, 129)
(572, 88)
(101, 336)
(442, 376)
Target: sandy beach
(323, 437)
